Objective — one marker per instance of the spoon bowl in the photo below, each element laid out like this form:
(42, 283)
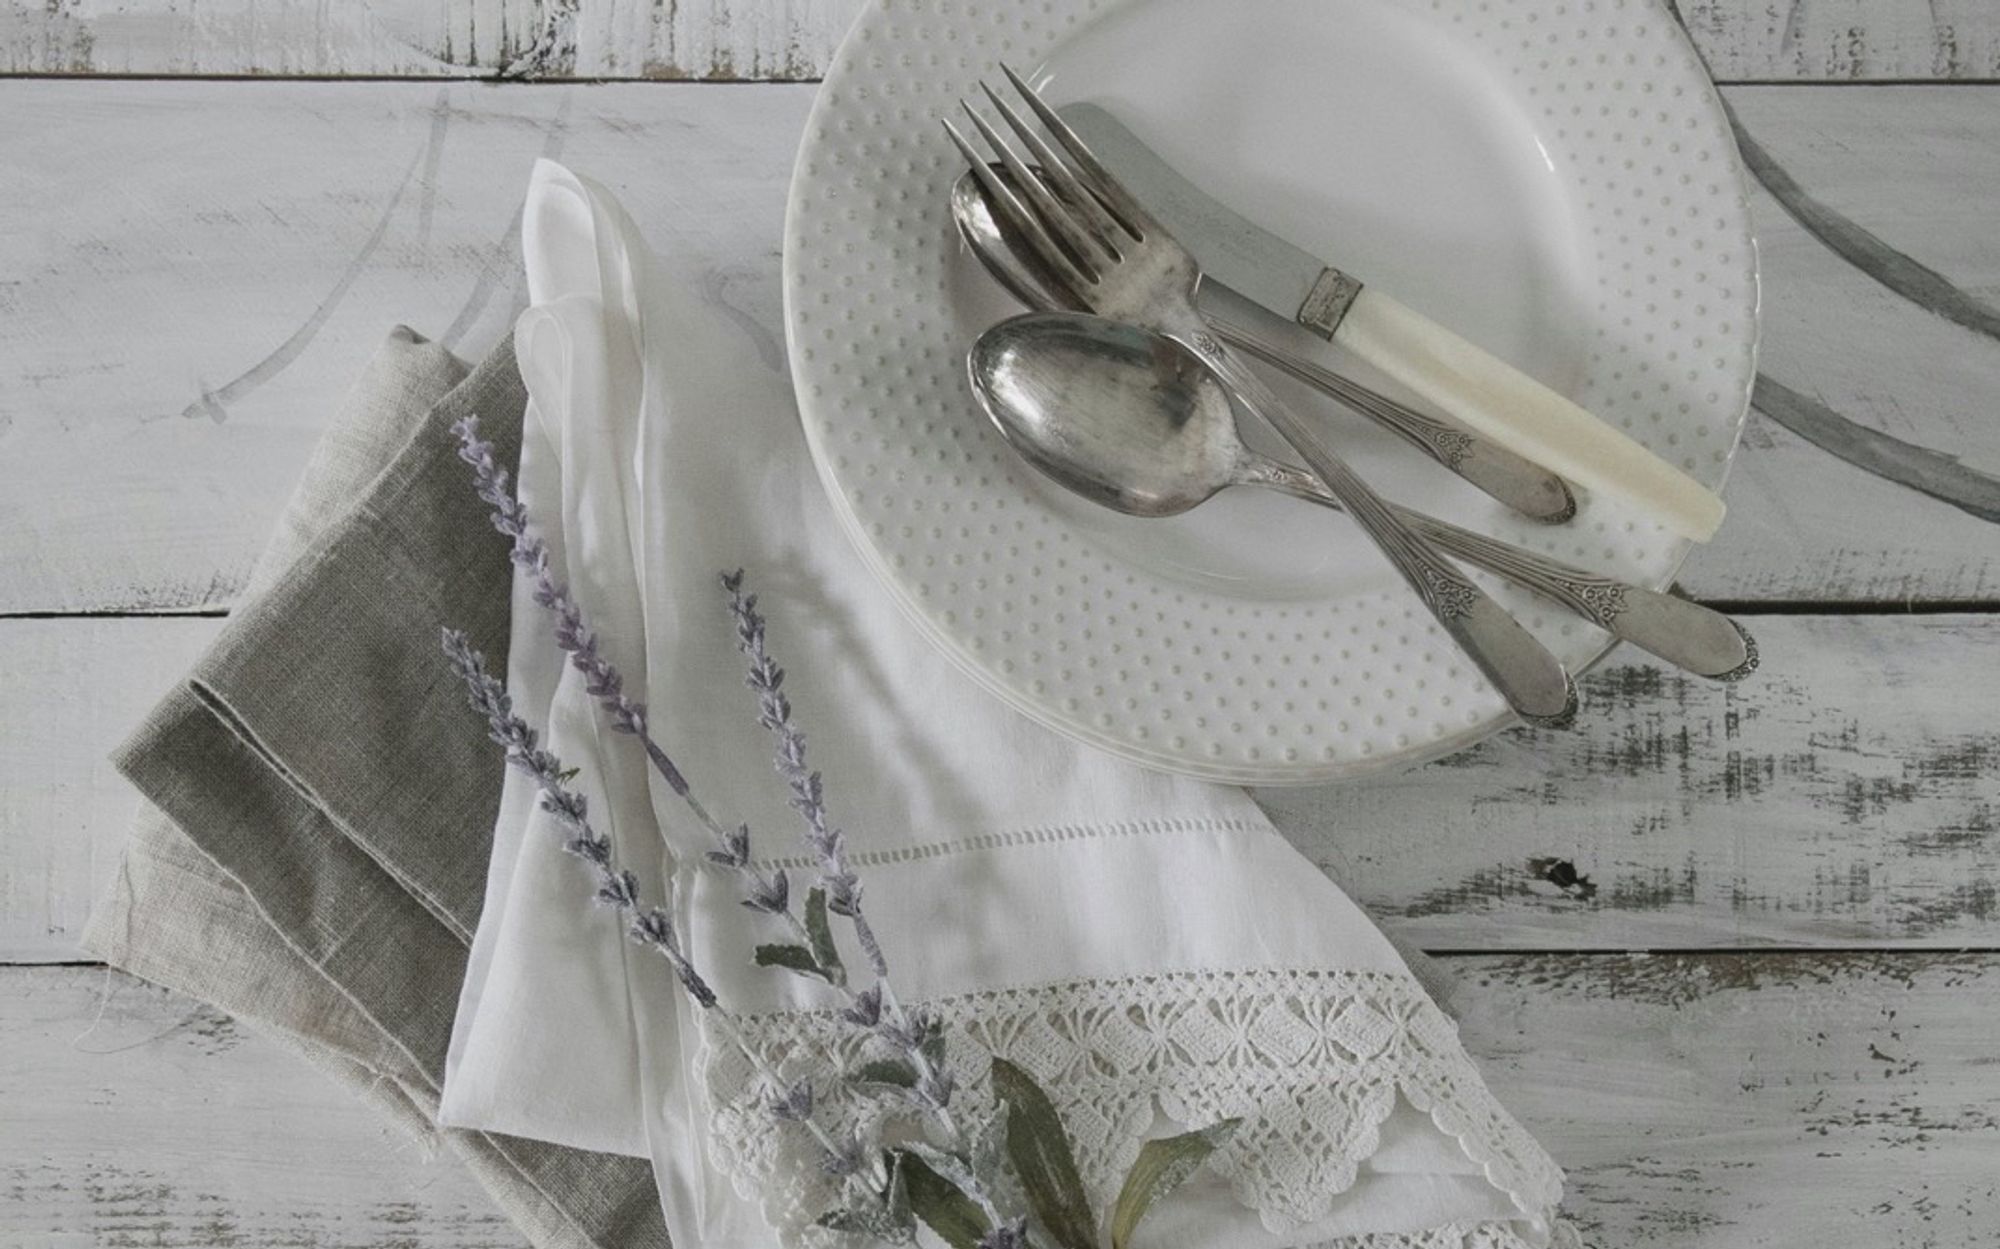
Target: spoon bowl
(1160, 437)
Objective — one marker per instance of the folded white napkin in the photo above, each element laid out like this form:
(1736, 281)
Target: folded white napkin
(1146, 946)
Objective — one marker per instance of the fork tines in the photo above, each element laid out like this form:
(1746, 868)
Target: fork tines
(1077, 217)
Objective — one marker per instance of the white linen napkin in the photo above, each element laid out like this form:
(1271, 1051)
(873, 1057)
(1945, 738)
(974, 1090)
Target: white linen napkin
(1147, 946)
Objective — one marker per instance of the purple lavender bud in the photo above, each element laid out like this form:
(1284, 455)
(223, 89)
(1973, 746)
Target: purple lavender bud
(566, 805)
(620, 889)
(593, 850)
(691, 981)
(795, 1104)
(865, 1011)
(770, 894)
(843, 894)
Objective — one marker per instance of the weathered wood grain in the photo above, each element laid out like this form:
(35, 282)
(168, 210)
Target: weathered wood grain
(69, 691)
(197, 272)
(1845, 795)
(1844, 40)
(134, 1117)
(730, 40)
(171, 347)
(1753, 40)
(1742, 1101)
(1699, 1102)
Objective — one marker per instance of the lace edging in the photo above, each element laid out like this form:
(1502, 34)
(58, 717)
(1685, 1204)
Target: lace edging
(1312, 1061)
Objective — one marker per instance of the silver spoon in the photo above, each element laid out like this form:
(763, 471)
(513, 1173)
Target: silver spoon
(1155, 435)
(1521, 484)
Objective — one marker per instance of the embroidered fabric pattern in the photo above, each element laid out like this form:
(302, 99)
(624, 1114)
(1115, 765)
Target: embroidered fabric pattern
(1311, 1060)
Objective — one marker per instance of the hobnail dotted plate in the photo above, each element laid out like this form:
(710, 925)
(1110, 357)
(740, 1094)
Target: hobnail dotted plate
(1555, 181)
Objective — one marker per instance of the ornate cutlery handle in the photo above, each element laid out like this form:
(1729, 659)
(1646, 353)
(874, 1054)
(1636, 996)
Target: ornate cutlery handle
(1689, 636)
(1531, 679)
(1519, 483)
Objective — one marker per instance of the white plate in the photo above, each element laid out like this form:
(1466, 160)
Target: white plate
(1556, 182)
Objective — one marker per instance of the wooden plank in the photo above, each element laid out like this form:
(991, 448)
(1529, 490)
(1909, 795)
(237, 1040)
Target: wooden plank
(1727, 1101)
(197, 271)
(137, 1117)
(1844, 40)
(1737, 1101)
(69, 691)
(1845, 795)
(242, 294)
(1742, 40)
(728, 40)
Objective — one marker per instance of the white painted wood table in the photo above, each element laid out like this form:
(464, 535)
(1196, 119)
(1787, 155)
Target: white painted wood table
(1733, 953)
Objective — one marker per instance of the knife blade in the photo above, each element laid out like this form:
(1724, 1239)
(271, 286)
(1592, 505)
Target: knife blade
(1280, 277)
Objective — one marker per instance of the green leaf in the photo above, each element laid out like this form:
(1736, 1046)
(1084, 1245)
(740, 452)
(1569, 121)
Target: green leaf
(1040, 1152)
(887, 1071)
(820, 933)
(941, 1204)
(792, 958)
(1161, 1167)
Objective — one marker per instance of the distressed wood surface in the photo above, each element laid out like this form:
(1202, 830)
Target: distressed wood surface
(242, 294)
(1743, 40)
(72, 690)
(1845, 795)
(135, 1117)
(1721, 1101)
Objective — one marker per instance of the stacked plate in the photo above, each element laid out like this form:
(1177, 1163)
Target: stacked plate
(1556, 183)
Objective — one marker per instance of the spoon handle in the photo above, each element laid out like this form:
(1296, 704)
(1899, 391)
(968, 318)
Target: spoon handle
(1531, 679)
(1519, 483)
(1694, 638)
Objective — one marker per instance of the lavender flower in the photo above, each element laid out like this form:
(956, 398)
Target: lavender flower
(530, 553)
(616, 887)
(795, 1104)
(828, 844)
(864, 1010)
(919, 1037)
(766, 892)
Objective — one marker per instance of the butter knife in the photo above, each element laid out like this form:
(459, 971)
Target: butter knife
(1465, 382)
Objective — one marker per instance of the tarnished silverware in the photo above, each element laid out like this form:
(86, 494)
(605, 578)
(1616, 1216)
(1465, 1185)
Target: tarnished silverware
(1524, 486)
(1136, 422)
(1110, 253)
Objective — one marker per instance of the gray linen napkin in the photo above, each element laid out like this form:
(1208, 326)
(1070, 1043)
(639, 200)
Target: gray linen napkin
(311, 854)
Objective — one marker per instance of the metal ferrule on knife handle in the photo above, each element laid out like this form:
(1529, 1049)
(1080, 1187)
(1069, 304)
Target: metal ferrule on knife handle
(1326, 305)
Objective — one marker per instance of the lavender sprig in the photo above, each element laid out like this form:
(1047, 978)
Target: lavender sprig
(915, 1034)
(649, 926)
(828, 843)
(767, 892)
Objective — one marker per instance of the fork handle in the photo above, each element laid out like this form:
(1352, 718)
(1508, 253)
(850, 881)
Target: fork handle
(1521, 484)
(1532, 680)
(1694, 638)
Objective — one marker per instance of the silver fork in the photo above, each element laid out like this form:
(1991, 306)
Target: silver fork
(1121, 263)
